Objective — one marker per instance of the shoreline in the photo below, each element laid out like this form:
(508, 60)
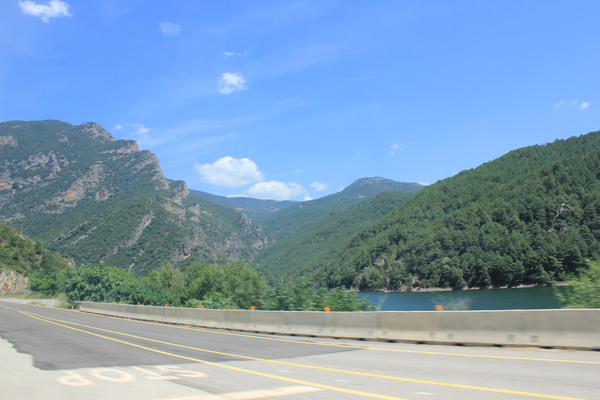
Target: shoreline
(419, 290)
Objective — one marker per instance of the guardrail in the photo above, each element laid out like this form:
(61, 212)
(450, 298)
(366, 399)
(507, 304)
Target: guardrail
(576, 329)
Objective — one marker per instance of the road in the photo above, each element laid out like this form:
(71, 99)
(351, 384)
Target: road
(48, 353)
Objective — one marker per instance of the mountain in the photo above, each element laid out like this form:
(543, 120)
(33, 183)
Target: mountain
(88, 196)
(300, 216)
(284, 259)
(531, 216)
(255, 209)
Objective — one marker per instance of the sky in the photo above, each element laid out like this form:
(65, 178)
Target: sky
(297, 99)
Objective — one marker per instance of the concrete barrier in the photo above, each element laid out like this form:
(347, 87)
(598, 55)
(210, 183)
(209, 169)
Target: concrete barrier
(43, 302)
(578, 329)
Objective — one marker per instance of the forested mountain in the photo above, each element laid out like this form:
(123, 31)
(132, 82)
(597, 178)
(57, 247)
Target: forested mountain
(529, 217)
(284, 258)
(300, 216)
(88, 196)
(255, 209)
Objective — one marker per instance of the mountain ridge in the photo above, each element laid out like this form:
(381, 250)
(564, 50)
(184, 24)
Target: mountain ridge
(255, 209)
(299, 216)
(92, 197)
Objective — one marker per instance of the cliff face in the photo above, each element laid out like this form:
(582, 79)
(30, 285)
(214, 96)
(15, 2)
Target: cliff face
(91, 197)
(13, 282)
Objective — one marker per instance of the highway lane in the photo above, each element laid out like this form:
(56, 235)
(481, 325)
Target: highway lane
(49, 353)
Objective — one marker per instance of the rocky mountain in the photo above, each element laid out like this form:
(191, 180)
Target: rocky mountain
(88, 196)
(255, 209)
(300, 216)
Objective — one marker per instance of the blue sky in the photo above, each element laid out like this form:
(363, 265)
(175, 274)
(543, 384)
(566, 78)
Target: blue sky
(297, 99)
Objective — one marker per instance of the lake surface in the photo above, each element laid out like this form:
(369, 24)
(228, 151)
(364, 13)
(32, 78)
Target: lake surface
(486, 299)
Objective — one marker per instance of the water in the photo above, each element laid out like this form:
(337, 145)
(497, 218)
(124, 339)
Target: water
(487, 299)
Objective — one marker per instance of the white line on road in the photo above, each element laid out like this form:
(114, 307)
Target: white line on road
(254, 394)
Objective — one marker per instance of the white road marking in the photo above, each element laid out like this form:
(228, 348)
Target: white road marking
(253, 394)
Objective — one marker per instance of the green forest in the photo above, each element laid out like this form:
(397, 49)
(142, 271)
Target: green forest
(285, 258)
(529, 217)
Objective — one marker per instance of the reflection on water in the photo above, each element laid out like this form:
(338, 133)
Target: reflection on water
(488, 299)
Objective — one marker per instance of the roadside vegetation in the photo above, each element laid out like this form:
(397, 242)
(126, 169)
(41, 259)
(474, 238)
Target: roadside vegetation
(235, 285)
(584, 291)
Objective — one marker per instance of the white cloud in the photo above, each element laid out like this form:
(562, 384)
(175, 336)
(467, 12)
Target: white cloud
(318, 186)
(51, 9)
(393, 149)
(137, 129)
(229, 171)
(169, 29)
(233, 54)
(231, 82)
(276, 190)
(573, 103)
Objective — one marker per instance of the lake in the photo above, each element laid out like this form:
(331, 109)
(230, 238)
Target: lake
(486, 299)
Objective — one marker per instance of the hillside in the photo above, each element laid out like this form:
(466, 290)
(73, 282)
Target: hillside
(20, 257)
(284, 258)
(300, 216)
(25, 256)
(88, 196)
(529, 217)
(255, 209)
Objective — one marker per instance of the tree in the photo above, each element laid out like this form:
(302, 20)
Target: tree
(168, 277)
(145, 293)
(302, 295)
(94, 282)
(583, 292)
(236, 280)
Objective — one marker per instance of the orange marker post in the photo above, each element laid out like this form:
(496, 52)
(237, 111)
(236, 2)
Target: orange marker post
(326, 308)
(439, 307)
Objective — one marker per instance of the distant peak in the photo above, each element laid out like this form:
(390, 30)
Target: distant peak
(384, 184)
(372, 180)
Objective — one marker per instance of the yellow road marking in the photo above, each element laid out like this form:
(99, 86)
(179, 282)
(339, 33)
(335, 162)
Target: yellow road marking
(420, 381)
(437, 353)
(230, 367)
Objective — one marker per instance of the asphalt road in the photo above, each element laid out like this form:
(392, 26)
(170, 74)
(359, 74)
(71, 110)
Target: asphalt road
(49, 353)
